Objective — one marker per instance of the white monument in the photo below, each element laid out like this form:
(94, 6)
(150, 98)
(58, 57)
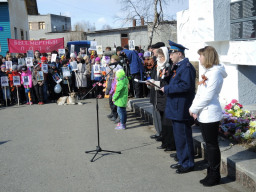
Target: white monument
(218, 23)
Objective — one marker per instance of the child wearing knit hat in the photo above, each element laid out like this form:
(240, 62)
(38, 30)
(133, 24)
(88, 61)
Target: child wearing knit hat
(6, 90)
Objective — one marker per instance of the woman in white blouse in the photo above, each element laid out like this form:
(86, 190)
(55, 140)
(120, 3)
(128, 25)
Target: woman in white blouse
(207, 110)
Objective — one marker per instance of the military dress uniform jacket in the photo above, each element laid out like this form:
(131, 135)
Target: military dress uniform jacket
(180, 91)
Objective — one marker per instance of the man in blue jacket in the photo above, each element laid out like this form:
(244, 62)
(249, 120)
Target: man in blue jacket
(180, 94)
(136, 70)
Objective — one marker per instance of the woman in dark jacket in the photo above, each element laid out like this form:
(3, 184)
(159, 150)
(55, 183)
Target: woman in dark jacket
(161, 77)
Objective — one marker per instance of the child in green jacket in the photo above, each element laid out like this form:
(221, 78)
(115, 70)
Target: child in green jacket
(120, 98)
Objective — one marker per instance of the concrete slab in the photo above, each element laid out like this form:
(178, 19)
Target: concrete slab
(237, 162)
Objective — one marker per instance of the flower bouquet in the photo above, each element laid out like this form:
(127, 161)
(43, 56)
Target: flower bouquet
(237, 124)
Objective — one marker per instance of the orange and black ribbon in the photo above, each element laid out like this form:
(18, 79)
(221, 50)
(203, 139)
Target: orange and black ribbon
(204, 78)
(174, 73)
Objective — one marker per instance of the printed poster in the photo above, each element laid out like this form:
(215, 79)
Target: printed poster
(16, 80)
(4, 81)
(131, 45)
(8, 65)
(45, 68)
(53, 58)
(93, 45)
(73, 66)
(56, 78)
(30, 53)
(61, 52)
(25, 80)
(99, 49)
(72, 49)
(40, 76)
(29, 61)
(65, 72)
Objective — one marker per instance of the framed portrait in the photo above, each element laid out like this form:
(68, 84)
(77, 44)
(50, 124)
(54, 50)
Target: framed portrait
(74, 66)
(56, 78)
(25, 80)
(45, 68)
(30, 53)
(16, 80)
(61, 52)
(8, 65)
(29, 61)
(65, 72)
(21, 61)
(72, 49)
(40, 76)
(99, 49)
(4, 81)
(93, 45)
(131, 45)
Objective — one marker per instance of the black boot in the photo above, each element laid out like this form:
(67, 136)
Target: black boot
(205, 179)
(214, 177)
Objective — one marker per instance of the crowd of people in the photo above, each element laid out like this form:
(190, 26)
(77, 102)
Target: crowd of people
(162, 73)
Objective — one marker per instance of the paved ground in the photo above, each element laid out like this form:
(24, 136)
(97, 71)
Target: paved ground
(42, 149)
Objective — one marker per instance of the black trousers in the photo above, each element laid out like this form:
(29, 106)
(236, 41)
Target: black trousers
(39, 92)
(137, 86)
(113, 107)
(167, 132)
(210, 136)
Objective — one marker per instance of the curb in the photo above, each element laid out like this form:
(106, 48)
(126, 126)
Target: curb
(237, 162)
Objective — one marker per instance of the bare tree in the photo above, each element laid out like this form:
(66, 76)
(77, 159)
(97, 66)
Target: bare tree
(135, 9)
(138, 9)
(106, 27)
(84, 26)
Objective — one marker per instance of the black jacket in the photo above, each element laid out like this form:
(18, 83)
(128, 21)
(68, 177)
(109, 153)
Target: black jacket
(158, 98)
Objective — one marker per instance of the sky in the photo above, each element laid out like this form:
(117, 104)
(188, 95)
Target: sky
(98, 12)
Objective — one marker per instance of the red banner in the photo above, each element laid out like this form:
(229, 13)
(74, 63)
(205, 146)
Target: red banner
(43, 46)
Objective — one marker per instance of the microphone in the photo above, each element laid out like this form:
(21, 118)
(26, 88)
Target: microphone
(116, 63)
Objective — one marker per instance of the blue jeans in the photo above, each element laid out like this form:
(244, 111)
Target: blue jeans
(7, 93)
(27, 90)
(122, 114)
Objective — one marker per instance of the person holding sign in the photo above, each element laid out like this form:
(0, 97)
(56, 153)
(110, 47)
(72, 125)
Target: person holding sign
(14, 77)
(26, 80)
(38, 83)
(66, 76)
(52, 80)
(81, 79)
(5, 86)
(45, 84)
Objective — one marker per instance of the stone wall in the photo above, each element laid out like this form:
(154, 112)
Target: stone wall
(18, 18)
(207, 22)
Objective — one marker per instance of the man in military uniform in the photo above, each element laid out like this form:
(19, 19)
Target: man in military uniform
(180, 94)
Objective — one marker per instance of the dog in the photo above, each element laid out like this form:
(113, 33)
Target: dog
(68, 100)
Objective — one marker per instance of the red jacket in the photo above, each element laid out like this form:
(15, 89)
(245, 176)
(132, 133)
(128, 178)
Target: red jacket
(10, 76)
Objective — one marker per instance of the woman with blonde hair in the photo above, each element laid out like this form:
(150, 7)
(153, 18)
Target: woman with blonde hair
(207, 110)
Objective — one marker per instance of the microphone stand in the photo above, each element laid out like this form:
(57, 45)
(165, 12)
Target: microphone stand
(98, 148)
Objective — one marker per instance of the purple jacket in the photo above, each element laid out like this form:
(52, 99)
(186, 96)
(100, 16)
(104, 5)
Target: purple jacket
(113, 87)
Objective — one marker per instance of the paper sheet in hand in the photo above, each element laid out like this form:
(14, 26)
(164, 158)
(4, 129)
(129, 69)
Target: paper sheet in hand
(153, 84)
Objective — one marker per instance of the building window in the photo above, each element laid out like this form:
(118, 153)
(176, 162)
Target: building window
(15, 33)
(63, 27)
(42, 39)
(30, 25)
(124, 35)
(41, 25)
(21, 34)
